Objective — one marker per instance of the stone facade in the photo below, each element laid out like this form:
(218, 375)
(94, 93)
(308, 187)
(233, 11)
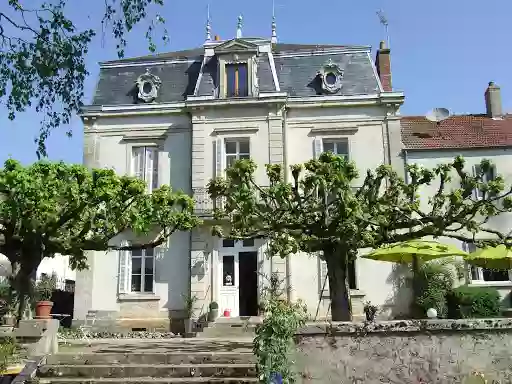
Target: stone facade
(437, 351)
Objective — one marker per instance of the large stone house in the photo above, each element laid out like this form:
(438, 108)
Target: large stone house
(180, 118)
(475, 137)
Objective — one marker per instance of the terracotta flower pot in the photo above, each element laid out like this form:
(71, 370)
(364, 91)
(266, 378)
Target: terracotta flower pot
(44, 309)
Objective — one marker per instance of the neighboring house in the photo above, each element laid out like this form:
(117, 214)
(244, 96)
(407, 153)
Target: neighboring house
(475, 137)
(181, 118)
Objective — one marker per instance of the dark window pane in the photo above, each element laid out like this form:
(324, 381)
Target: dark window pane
(242, 80)
(230, 147)
(245, 156)
(137, 252)
(228, 243)
(244, 147)
(328, 146)
(342, 148)
(495, 275)
(352, 275)
(150, 252)
(148, 265)
(228, 270)
(136, 265)
(148, 283)
(248, 243)
(330, 78)
(474, 273)
(230, 80)
(136, 283)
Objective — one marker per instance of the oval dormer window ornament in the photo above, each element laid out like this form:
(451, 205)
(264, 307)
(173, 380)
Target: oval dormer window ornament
(331, 76)
(148, 86)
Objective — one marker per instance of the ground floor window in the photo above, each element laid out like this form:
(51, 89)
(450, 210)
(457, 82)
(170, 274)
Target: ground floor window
(478, 274)
(137, 271)
(324, 288)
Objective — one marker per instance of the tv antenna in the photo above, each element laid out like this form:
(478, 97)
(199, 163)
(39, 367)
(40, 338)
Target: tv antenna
(438, 114)
(384, 21)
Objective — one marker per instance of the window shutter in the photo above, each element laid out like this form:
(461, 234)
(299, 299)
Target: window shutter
(138, 162)
(323, 279)
(124, 271)
(219, 157)
(154, 168)
(317, 148)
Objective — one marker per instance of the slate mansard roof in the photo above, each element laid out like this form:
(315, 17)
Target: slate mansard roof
(296, 67)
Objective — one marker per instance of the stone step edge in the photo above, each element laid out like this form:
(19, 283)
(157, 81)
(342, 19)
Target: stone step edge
(169, 353)
(208, 365)
(166, 380)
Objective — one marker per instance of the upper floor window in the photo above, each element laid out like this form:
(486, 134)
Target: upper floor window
(145, 165)
(236, 149)
(487, 177)
(237, 81)
(337, 146)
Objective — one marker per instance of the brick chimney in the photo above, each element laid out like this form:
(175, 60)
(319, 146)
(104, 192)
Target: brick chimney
(383, 64)
(493, 100)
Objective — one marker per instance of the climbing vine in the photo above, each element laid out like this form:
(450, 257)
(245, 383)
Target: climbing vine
(273, 344)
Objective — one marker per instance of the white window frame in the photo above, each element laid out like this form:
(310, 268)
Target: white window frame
(238, 153)
(479, 272)
(336, 142)
(149, 174)
(125, 273)
(489, 176)
(322, 274)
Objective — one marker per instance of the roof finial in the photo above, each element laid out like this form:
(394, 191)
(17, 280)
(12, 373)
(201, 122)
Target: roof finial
(208, 25)
(239, 27)
(273, 40)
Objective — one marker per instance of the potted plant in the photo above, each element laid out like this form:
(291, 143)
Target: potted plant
(44, 291)
(370, 311)
(214, 311)
(190, 301)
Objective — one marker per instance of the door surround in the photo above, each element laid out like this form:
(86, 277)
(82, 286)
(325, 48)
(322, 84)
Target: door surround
(230, 294)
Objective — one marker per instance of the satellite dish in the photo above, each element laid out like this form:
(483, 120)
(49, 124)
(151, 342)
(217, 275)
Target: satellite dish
(438, 114)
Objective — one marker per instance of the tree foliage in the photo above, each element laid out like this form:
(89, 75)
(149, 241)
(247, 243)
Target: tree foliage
(321, 211)
(42, 54)
(54, 208)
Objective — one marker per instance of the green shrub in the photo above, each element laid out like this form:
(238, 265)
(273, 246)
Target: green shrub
(436, 279)
(470, 302)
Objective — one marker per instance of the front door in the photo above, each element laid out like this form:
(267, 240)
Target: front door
(230, 282)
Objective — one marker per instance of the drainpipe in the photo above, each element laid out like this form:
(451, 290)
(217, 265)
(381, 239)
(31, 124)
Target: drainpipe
(406, 162)
(285, 167)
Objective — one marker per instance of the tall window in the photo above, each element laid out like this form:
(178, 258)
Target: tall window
(338, 147)
(237, 80)
(145, 165)
(236, 149)
(352, 280)
(487, 177)
(142, 276)
(479, 274)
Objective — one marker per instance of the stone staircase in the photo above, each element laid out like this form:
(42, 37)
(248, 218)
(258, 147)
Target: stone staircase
(155, 361)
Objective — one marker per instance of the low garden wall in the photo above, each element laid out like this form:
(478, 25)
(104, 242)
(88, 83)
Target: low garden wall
(430, 351)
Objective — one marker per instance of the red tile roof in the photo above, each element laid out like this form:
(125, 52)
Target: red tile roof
(467, 131)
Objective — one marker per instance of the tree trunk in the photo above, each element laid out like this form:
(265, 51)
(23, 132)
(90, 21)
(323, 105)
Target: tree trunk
(341, 308)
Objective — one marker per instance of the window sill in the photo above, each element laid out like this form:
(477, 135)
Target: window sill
(496, 284)
(138, 297)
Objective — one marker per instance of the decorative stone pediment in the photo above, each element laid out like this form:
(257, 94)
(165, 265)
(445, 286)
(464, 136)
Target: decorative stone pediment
(331, 75)
(148, 86)
(236, 45)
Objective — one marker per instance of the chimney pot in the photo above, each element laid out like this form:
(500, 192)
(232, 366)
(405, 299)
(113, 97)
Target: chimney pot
(383, 64)
(493, 100)
(217, 38)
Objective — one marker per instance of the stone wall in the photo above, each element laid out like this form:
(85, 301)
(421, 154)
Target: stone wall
(430, 351)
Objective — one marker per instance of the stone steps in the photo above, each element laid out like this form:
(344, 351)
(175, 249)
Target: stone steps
(152, 380)
(183, 357)
(161, 362)
(149, 370)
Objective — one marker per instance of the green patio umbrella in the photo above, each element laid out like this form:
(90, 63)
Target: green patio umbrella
(499, 257)
(411, 252)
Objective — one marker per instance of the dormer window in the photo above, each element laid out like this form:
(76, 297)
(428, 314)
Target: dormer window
(237, 82)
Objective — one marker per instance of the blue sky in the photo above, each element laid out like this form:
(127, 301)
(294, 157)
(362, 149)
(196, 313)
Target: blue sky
(443, 52)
